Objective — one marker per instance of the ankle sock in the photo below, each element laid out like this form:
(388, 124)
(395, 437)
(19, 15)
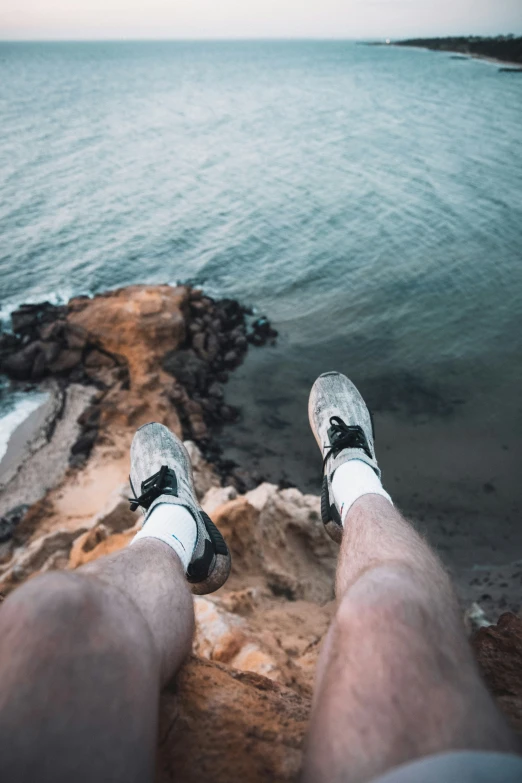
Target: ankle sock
(352, 480)
(175, 526)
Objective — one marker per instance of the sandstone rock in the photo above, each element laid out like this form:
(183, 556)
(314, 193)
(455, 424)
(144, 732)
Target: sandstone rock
(217, 496)
(43, 554)
(279, 534)
(498, 649)
(218, 725)
(223, 636)
(96, 543)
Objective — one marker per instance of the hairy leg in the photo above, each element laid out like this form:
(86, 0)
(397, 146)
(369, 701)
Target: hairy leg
(396, 679)
(82, 659)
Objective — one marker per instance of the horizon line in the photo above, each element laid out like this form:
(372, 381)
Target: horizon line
(261, 39)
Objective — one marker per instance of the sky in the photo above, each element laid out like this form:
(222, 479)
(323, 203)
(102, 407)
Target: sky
(109, 19)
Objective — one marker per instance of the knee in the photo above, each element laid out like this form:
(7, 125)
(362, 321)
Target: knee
(382, 596)
(68, 607)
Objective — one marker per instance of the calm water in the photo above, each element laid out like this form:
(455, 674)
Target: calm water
(368, 199)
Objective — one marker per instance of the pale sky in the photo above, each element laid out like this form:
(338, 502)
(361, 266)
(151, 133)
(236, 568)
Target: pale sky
(87, 19)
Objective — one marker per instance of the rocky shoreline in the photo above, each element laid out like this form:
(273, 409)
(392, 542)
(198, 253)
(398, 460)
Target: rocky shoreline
(502, 48)
(62, 343)
(110, 364)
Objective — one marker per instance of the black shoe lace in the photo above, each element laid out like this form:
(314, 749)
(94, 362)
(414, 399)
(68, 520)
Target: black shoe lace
(344, 436)
(164, 482)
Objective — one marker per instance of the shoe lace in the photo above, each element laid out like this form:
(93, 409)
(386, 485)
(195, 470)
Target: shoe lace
(344, 436)
(164, 482)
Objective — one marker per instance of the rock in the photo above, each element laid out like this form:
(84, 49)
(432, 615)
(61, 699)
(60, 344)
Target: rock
(19, 365)
(10, 520)
(96, 359)
(216, 390)
(97, 543)
(261, 529)
(68, 358)
(204, 476)
(82, 447)
(90, 417)
(43, 554)
(262, 332)
(249, 728)
(30, 317)
(76, 336)
(231, 359)
(188, 368)
(217, 496)
(498, 649)
(198, 344)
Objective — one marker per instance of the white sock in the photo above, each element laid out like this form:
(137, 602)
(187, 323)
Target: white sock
(352, 480)
(174, 525)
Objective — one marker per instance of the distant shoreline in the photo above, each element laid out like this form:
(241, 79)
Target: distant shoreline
(504, 50)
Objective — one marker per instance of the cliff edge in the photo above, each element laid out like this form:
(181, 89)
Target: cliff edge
(238, 709)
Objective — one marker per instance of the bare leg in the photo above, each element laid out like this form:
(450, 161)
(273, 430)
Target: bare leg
(82, 659)
(396, 679)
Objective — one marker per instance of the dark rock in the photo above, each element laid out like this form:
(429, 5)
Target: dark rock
(198, 306)
(51, 351)
(68, 358)
(243, 480)
(256, 339)
(198, 343)
(53, 331)
(177, 394)
(20, 364)
(10, 520)
(76, 336)
(90, 417)
(188, 368)
(193, 408)
(30, 317)
(9, 344)
(229, 413)
(96, 358)
(198, 427)
(231, 359)
(216, 390)
(83, 446)
(262, 332)
(212, 346)
(39, 366)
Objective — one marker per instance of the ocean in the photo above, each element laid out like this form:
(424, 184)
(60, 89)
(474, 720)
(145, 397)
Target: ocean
(367, 199)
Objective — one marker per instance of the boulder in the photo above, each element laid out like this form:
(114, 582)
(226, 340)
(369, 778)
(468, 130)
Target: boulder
(218, 725)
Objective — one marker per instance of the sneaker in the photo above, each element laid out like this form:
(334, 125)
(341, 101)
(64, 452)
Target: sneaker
(161, 472)
(343, 428)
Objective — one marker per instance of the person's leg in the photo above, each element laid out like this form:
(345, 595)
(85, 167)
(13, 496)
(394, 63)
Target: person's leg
(82, 658)
(83, 655)
(396, 679)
